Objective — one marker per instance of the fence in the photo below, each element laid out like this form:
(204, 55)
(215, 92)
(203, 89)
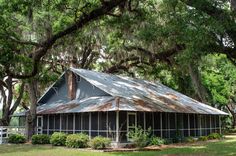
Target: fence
(6, 131)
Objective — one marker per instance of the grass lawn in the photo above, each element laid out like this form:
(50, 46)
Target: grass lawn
(223, 147)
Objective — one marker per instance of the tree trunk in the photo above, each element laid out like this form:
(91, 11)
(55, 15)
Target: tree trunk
(31, 115)
(197, 84)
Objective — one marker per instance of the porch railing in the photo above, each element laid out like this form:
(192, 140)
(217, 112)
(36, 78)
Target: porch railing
(6, 131)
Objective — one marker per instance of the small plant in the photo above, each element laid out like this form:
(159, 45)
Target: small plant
(58, 139)
(178, 137)
(100, 142)
(203, 138)
(16, 139)
(77, 140)
(156, 141)
(168, 141)
(189, 139)
(139, 137)
(213, 136)
(40, 139)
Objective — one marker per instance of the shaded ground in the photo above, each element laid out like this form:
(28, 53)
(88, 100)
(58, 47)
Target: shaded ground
(225, 147)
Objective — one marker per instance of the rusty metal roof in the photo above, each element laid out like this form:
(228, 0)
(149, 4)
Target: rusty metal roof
(142, 95)
(128, 94)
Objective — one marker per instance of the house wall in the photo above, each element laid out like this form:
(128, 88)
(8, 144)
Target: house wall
(60, 91)
(85, 89)
(165, 125)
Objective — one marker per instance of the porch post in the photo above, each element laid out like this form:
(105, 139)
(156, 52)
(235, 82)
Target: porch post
(210, 125)
(117, 126)
(152, 122)
(89, 125)
(194, 125)
(98, 124)
(188, 126)
(1, 130)
(48, 126)
(200, 125)
(161, 123)
(73, 123)
(168, 124)
(220, 123)
(60, 122)
(144, 121)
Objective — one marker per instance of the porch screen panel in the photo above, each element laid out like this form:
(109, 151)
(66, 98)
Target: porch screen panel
(123, 125)
(185, 124)
(165, 128)
(85, 118)
(157, 124)
(172, 122)
(217, 118)
(94, 124)
(45, 124)
(112, 125)
(78, 122)
(208, 124)
(197, 125)
(203, 124)
(51, 123)
(180, 124)
(70, 123)
(191, 122)
(57, 123)
(140, 119)
(103, 124)
(213, 123)
(149, 121)
(64, 123)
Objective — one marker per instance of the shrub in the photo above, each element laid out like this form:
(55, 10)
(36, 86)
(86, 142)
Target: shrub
(58, 139)
(16, 139)
(203, 138)
(40, 139)
(168, 141)
(178, 137)
(156, 141)
(139, 137)
(77, 140)
(214, 136)
(100, 142)
(189, 139)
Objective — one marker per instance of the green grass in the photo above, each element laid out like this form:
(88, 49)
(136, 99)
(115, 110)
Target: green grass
(222, 147)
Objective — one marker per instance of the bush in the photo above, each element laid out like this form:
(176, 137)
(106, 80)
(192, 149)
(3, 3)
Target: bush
(214, 136)
(77, 140)
(156, 141)
(40, 139)
(16, 139)
(58, 139)
(100, 142)
(203, 138)
(189, 139)
(168, 141)
(139, 137)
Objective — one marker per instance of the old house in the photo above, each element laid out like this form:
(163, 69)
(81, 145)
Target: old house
(108, 105)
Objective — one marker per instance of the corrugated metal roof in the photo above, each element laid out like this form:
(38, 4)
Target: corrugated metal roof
(128, 94)
(151, 96)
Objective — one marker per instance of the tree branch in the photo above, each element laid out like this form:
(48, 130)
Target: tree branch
(83, 20)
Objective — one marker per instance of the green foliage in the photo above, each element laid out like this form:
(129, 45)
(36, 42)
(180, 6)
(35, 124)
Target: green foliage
(100, 142)
(77, 140)
(188, 140)
(139, 137)
(40, 139)
(156, 141)
(58, 139)
(203, 138)
(213, 136)
(16, 139)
